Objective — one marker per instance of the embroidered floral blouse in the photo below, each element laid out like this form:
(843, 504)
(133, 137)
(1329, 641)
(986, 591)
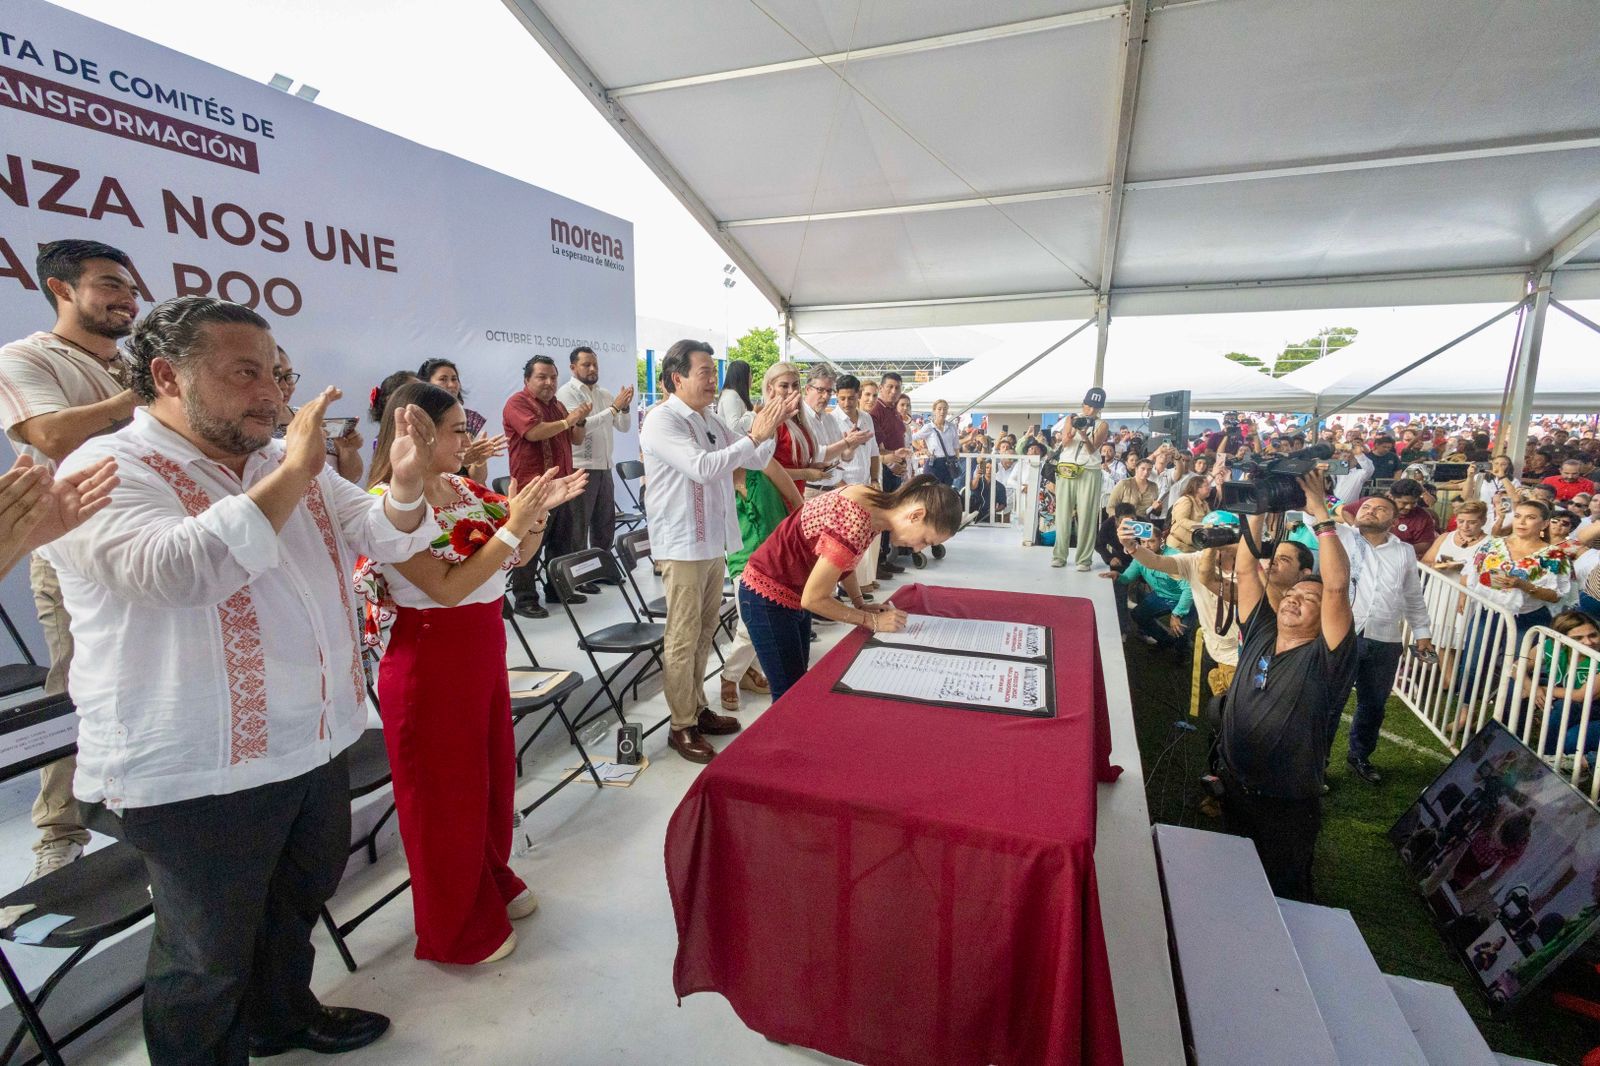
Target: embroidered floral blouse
(830, 526)
(464, 526)
(1550, 568)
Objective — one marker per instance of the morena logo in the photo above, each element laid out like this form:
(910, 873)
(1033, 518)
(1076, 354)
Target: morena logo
(586, 240)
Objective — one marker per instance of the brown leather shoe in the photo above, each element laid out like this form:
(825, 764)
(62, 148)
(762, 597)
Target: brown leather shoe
(713, 724)
(753, 681)
(730, 695)
(691, 745)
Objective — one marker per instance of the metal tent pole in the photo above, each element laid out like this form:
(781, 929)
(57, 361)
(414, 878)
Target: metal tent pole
(1520, 406)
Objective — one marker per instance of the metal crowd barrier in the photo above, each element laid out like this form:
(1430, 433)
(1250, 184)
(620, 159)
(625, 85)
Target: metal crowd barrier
(1557, 728)
(1477, 644)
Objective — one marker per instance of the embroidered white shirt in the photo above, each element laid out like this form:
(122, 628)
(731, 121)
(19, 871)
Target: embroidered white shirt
(213, 655)
(1385, 587)
(689, 457)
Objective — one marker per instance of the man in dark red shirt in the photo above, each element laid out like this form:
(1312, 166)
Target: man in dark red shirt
(1570, 482)
(1413, 523)
(891, 435)
(540, 433)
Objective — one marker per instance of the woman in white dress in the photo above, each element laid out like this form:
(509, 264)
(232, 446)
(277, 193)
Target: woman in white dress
(1451, 554)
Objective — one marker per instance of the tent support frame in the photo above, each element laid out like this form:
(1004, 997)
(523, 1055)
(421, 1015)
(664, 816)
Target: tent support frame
(1525, 369)
(997, 386)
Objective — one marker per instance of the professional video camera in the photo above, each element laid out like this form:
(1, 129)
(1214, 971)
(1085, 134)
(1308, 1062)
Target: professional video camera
(1271, 486)
(1082, 422)
(1215, 536)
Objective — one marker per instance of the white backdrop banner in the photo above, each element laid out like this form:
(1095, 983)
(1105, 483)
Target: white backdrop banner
(366, 252)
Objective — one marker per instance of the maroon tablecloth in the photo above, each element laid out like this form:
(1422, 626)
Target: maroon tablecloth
(898, 883)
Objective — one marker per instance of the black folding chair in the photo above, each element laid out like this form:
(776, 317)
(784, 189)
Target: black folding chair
(105, 891)
(556, 700)
(631, 470)
(19, 677)
(634, 548)
(368, 761)
(639, 639)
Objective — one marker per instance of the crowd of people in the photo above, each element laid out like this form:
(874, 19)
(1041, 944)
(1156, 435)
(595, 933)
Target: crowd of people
(217, 567)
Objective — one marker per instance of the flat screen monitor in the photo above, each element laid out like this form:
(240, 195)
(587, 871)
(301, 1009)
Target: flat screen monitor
(1506, 855)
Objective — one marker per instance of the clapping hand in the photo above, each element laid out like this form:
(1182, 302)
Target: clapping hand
(773, 414)
(567, 488)
(35, 509)
(576, 415)
(306, 439)
(411, 452)
(624, 398)
(483, 448)
(526, 504)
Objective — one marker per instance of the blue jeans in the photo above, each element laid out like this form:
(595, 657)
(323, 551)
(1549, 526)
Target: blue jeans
(1376, 664)
(1588, 605)
(1147, 616)
(781, 636)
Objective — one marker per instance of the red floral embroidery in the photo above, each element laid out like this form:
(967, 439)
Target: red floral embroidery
(470, 534)
(319, 513)
(241, 635)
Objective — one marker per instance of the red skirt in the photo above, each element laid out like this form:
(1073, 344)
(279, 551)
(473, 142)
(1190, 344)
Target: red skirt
(447, 725)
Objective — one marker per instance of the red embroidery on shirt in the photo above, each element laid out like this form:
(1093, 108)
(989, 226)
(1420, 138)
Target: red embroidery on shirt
(319, 512)
(241, 635)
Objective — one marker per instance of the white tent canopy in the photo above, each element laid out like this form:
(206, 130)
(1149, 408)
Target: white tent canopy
(872, 165)
(1150, 363)
(1471, 376)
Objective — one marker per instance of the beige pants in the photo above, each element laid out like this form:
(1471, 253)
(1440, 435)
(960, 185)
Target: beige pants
(867, 568)
(55, 811)
(694, 601)
(1080, 497)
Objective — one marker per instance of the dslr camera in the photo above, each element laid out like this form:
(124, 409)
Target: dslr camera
(1081, 422)
(1215, 536)
(1271, 486)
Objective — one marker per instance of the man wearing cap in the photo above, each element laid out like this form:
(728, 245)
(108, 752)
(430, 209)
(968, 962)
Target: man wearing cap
(1078, 479)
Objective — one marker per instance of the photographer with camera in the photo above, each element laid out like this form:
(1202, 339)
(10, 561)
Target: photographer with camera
(1078, 480)
(1294, 672)
(1386, 593)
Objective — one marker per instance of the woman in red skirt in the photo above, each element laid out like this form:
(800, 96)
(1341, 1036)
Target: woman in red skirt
(435, 620)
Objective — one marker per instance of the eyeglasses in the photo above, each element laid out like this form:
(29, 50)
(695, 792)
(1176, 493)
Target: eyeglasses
(822, 389)
(1259, 679)
(286, 379)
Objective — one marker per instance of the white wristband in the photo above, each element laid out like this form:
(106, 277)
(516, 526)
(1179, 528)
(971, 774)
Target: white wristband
(407, 505)
(508, 538)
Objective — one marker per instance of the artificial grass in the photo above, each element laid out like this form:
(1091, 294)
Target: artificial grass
(1357, 868)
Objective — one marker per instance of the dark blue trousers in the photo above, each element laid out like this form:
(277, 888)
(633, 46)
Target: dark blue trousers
(1376, 664)
(781, 636)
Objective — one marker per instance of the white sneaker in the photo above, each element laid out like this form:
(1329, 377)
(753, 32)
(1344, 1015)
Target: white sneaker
(53, 856)
(522, 905)
(1083, 567)
(503, 950)
(1058, 562)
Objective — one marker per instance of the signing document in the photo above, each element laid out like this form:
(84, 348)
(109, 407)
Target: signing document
(957, 680)
(1014, 639)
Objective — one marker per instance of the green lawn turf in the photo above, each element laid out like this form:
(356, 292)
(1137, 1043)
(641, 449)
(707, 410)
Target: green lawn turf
(1357, 868)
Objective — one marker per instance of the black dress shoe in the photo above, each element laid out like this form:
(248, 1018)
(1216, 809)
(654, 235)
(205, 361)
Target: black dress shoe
(590, 588)
(575, 598)
(531, 610)
(1363, 769)
(893, 568)
(332, 1030)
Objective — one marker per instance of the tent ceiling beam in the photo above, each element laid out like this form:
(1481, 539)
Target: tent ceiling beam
(1464, 152)
(555, 44)
(1111, 219)
(1575, 242)
(1081, 326)
(1575, 316)
(900, 48)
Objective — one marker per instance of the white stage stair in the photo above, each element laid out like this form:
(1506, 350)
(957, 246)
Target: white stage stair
(1265, 980)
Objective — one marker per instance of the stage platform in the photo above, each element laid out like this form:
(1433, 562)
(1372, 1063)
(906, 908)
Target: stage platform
(591, 980)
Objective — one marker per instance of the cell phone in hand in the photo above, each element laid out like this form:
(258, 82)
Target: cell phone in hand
(1295, 518)
(338, 427)
(1142, 530)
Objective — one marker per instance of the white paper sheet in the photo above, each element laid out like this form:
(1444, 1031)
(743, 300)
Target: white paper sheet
(936, 677)
(1014, 639)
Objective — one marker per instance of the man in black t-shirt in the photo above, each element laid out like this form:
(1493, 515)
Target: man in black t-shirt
(1294, 663)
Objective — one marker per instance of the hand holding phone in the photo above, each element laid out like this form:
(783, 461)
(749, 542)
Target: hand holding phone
(1142, 530)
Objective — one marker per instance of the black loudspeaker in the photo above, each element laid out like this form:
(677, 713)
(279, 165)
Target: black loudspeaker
(1172, 425)
(1169, 401)
(628, 742)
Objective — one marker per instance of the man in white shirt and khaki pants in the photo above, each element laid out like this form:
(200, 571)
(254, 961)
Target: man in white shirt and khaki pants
(218, 678)
(608, 414)
(689, 457)
(57, 390)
